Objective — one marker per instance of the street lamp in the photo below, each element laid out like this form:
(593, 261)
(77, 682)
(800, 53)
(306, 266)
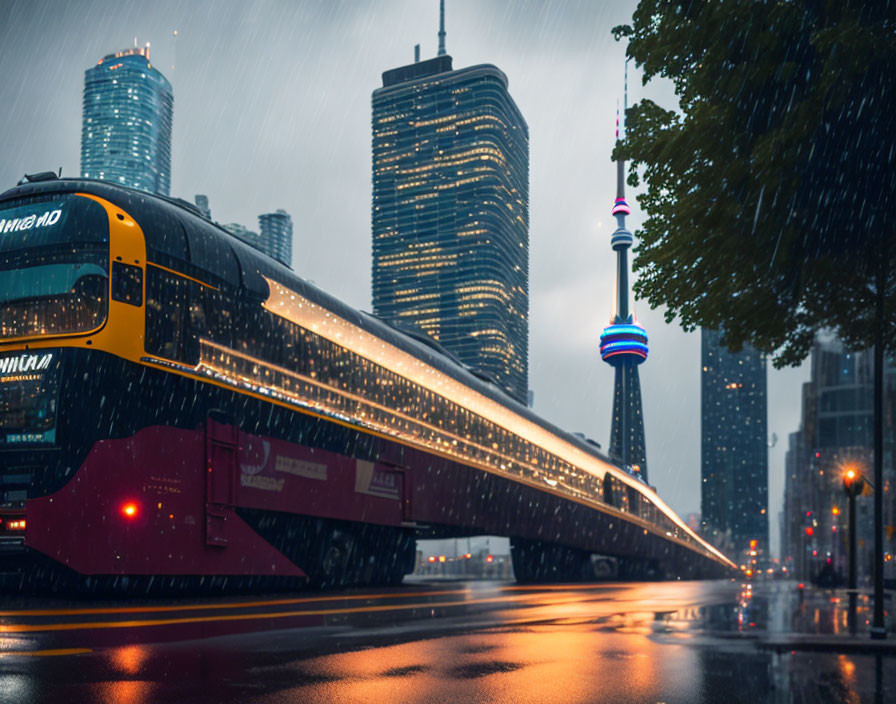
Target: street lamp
(853, 483)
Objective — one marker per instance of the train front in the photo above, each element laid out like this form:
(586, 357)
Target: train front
(105, 461)
(54, 290)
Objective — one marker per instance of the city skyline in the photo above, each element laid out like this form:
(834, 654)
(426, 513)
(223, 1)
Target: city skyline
(263, 150)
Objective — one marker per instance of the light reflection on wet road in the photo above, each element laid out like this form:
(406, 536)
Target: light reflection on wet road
(432, 643)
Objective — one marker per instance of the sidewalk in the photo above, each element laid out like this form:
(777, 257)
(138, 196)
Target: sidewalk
(815, 619)
(787, 642)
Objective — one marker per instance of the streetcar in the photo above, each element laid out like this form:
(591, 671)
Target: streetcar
(177, 410)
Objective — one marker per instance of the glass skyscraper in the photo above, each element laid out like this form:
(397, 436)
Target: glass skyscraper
(126, 131)
(275, 236)
(734, 456)
(451, 215)
(836, 433)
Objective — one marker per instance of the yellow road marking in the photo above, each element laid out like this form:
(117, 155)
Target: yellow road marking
(227, 605)
(44, 627)
(274, 602)
(49, 653)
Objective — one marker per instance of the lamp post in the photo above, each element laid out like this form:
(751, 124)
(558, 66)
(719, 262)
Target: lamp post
(852, 485)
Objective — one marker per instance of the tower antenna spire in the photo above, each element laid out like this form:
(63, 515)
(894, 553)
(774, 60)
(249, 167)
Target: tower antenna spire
(441, 27)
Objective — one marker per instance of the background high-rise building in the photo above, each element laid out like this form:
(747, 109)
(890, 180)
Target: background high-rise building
(451, 215)
(202, 203)
(275, 235)
(275, 238)
(734, 446)
(126, 130)
(835, 434)
(244, 234)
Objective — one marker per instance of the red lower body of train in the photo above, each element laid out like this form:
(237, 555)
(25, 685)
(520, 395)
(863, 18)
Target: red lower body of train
(164, 481)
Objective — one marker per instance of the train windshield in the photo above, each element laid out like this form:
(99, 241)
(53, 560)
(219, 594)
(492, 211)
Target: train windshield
(54, 267)
(29, 384)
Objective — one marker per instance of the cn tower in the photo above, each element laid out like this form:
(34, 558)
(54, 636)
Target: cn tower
(623, 345)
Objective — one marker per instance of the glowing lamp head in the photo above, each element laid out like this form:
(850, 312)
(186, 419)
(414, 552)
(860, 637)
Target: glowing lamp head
(853, 482)
(129, 510)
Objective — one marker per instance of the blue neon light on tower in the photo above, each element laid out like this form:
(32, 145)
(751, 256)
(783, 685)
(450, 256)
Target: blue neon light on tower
(623, 344)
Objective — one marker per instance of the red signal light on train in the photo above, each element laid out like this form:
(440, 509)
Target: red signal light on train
(129, 509)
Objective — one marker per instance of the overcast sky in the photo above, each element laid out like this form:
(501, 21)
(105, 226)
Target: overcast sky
(272, 110)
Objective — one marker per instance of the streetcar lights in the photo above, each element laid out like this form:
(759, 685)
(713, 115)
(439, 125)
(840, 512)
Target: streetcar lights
(489, 558)
(16, 525)
(441, 558)
(129, 509)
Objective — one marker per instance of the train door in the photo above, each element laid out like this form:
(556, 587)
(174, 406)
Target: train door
(401, 479)
(221, 448)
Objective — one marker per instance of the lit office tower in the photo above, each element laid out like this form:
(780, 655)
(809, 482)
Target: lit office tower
(126, 132)
(450, 213)
(275, 235)
(734, 455)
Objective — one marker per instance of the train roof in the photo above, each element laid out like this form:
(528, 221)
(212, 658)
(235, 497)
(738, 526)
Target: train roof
(180, 238)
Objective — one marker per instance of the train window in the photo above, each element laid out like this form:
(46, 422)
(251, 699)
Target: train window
(634, 500)
(167, 296)
(54, 258)
(210, 315)
(127, 283)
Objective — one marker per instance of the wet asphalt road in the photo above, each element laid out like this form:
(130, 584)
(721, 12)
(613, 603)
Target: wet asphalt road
(436, 642)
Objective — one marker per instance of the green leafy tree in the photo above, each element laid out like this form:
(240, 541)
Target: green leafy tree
(770, 193)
